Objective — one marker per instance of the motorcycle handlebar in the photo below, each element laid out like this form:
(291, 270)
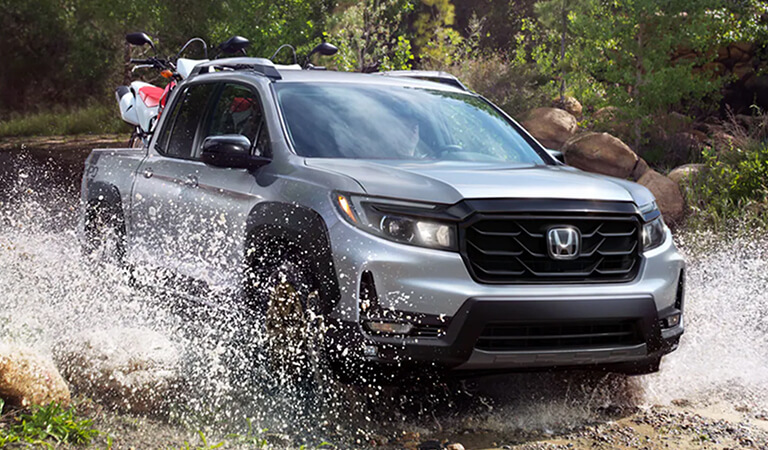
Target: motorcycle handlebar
(142, 61)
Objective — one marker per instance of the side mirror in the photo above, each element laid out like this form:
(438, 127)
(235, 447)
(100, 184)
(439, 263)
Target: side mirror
(139, 39)
(324, 49)
(234, 45)
(557, 154)
(231, 150)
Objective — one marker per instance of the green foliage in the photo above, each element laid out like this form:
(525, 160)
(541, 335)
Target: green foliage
(269, 24)
(624, 49)
(502, 21)
(371, 35)
(732, 189)
(68, 52)
(435, 40)
(638, 55)
(46, 424)
(512, 85)
(91, 119)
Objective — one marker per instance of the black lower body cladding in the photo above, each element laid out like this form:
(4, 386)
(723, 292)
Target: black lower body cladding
(491, 334)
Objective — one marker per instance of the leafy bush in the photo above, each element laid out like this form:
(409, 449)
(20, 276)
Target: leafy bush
(371, 36)
(46, 424)
(92, 119)
(732, 189)
(512, 86)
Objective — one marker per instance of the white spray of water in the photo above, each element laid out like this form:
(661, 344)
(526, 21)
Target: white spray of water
(49, 293)
(724, 352)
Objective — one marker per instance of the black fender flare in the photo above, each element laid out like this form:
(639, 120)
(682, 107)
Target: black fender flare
(103, 202)
(102, 197)
(102, 192)
(305, 230)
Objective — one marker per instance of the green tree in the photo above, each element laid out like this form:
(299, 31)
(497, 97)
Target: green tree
(627, 46)
(372, 35)
(627, 53)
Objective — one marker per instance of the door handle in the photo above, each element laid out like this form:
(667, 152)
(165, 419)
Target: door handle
(148, 173)
(191, 181)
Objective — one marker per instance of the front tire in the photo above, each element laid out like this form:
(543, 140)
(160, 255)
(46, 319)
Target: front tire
(293, 328)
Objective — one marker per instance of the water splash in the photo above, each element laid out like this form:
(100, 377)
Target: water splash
(724, 352)
(50, 292)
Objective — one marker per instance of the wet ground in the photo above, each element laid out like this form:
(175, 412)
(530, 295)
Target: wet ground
(712, 393)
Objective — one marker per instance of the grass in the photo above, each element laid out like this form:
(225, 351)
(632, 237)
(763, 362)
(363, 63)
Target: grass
(252, 438)
(45, 426)
(90, 119)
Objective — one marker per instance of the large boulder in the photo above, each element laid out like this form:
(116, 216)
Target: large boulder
(569, 104)
(682, 174)
(600, 153)
(743, 70)
(29, 378)
(667, 193)
(131, 369)
(640, 168)
(551, 126)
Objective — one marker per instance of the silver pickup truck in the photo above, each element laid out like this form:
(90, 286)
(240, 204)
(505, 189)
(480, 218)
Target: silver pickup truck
(416, 219)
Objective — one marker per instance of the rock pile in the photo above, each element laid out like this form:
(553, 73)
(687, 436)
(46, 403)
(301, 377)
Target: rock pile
(553, 127)
(603, 153)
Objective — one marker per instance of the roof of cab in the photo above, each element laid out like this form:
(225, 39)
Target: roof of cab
(293, 74)
(332, 76)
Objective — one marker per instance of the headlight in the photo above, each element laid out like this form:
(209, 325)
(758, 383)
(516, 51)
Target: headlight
(654, 233)
(384, 218)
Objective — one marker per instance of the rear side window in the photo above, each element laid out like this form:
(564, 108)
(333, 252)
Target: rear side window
(238, 111)
(186, 117)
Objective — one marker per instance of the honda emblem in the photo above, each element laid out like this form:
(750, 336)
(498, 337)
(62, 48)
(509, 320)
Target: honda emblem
(563, 243)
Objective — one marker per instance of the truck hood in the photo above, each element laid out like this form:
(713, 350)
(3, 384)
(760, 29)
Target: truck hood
(448, 182)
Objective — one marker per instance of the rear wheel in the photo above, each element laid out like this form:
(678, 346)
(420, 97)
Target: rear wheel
(104, 238)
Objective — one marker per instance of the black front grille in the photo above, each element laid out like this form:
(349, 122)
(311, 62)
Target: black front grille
(556, 336)
(505, 249)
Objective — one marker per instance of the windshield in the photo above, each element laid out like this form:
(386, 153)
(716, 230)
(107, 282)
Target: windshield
(401, 123)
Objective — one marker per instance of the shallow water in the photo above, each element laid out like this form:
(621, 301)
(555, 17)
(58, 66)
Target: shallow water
(50, 293)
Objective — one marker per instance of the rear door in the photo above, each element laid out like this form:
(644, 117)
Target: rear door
(161, 219)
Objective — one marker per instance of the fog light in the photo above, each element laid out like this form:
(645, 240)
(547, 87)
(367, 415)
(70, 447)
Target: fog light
(388, 327)
(673, 320)
(370, 350)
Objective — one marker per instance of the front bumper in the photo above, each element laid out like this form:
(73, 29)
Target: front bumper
(417, 282)
(456, 347)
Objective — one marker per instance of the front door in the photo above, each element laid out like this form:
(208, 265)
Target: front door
(224, 197)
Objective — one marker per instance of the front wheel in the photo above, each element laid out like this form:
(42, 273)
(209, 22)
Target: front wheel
(293, 328)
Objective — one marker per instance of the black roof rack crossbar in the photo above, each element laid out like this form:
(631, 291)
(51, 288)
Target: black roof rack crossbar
(260, 65)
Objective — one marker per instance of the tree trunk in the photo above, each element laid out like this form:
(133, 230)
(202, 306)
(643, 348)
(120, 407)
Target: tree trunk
(562, 51)
(638, 82)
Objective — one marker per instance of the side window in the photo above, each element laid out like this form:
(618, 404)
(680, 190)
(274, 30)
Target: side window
(238, 111)
(171, 112)
(191, 109)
